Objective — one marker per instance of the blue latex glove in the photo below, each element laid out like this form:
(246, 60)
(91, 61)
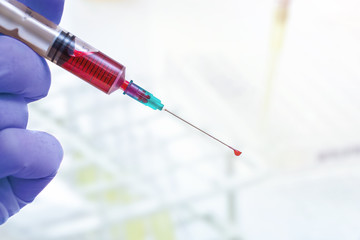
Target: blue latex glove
(29, 160)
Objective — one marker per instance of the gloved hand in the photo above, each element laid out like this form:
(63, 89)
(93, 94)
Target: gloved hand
(29, 160)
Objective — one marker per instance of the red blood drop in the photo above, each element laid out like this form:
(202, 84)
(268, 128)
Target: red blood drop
(237, 152)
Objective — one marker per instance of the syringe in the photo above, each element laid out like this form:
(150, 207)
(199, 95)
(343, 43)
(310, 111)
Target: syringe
(71, 53)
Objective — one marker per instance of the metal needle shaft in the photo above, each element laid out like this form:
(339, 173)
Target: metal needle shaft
(201, 130)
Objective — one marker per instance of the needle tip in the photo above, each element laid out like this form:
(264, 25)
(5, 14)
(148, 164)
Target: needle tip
(237, 152)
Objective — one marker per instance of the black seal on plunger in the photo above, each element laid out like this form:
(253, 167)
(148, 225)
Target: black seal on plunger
(63, 48)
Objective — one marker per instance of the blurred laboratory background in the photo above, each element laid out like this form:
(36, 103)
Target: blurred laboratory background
(277, 79)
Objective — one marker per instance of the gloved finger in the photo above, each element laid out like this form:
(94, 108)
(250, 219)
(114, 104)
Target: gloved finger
(13, 111)
(9, 204)
(22, 71)
(28, 154)
(51, 9)
(26, 190)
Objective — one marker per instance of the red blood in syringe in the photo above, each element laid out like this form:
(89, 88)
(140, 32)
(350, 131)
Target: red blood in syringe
(97, 69)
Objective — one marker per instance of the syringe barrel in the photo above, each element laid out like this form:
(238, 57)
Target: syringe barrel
(86, 62)
(60, 46)
(20, 22)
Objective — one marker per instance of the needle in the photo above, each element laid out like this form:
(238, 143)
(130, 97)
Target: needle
(236, 152)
